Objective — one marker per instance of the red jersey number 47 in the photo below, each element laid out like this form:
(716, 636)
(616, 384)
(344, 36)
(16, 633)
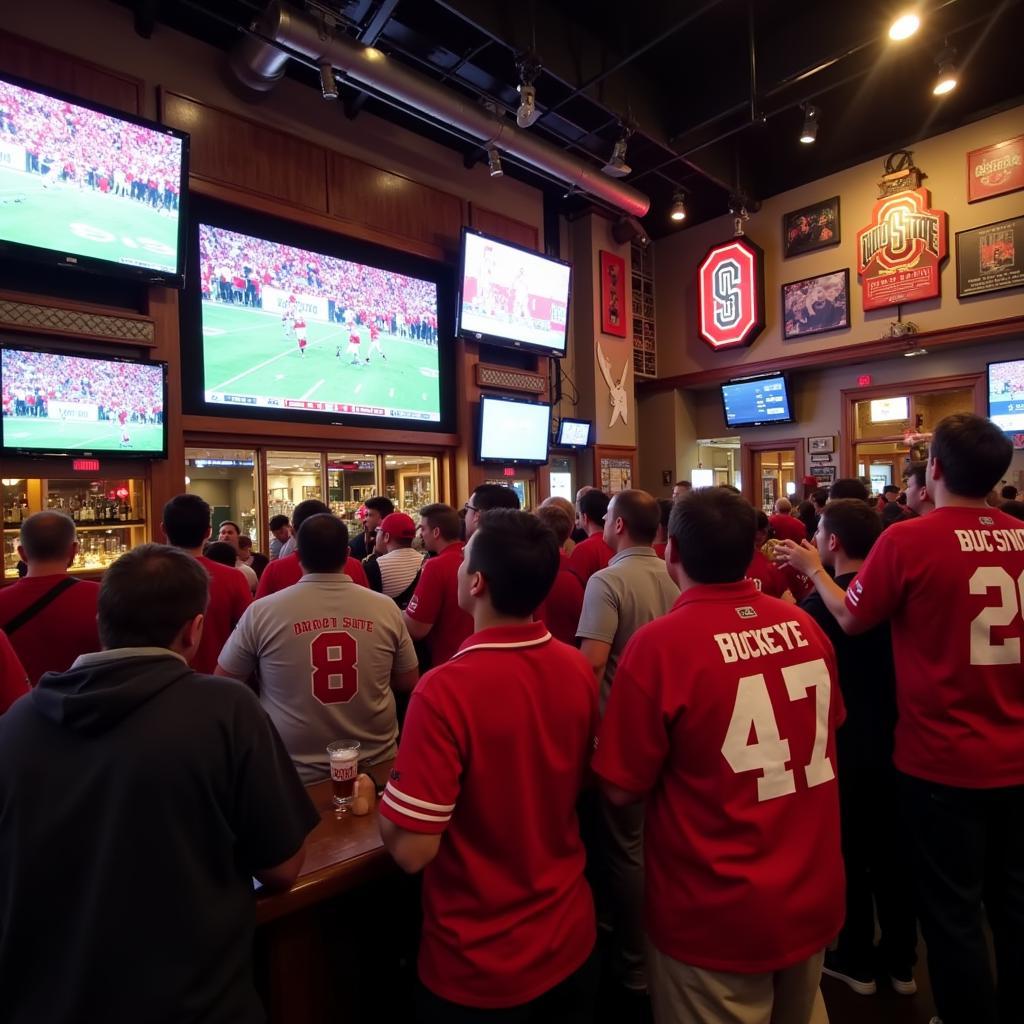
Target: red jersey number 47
(334, 659)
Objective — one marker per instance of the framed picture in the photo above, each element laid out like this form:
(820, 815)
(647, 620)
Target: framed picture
(821, 460)
(613, 294)
(810, 228)
(990, 258)
(821, 445)
(995, 170)
(824, 474)
(816, 304)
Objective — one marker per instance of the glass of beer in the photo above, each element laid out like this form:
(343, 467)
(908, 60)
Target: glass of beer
(344, 757)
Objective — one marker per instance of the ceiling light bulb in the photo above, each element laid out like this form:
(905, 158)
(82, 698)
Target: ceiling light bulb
(527, 112)
(328, 83)
(904, 26)
(678, 212)
(617, 166)
(494, 162)
(946, 81)
(809, 132)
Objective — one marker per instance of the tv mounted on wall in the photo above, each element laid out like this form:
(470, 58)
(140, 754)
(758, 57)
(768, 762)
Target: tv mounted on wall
(757, 401)
(513, 431)
(574, 433)
(1006, 395)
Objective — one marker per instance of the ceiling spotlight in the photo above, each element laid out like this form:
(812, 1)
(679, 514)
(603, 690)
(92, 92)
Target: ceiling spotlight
(946, 82)
(328, 83)
(529, 67)
(678, 211)
(494, 162)
(809, 132)
(904, 26)
(617, 166)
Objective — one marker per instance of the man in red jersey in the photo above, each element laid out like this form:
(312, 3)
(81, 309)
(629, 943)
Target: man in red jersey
(285, 571)
(723, 718)
(560, 609)
(483, 795)
(433, 614)
(784, 524)
(49, 616)
(186, 524)
(951, 585)
(593, 553)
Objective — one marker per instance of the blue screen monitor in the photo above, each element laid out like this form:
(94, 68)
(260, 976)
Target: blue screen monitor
(757, 401)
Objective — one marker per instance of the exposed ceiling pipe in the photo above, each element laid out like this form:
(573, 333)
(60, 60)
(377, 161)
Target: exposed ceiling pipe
(259, 64)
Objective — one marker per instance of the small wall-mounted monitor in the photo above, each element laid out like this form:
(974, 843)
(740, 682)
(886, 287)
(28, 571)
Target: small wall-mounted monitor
(1006, 395)
(574, 433)
(513, 431)
(757, 401)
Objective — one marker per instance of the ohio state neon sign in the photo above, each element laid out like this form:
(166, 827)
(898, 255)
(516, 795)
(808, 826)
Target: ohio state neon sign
(730, 292)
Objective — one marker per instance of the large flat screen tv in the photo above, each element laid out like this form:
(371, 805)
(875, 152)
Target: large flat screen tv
(283, 322)
(89, 188)
(757, 401)
(513, 431)
(1006, 395)
(511, 296)
(574, 433)
(65, 403)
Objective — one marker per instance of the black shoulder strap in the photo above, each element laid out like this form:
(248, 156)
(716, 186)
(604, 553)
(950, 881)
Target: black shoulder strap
(405, 596)
(29, 613)
(373, 576)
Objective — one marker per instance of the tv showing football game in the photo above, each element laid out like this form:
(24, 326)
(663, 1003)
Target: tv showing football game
(574, 433)
(1006, 395)
(513, 431)
(279, 324)
(66, 403)
(89, 188)
(511, 296)
(757, 401)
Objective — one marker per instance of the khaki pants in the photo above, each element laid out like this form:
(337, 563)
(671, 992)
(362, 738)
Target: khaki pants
(682, 994)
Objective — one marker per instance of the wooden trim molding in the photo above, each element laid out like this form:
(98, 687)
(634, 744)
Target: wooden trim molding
(216, 431)
(510, 380)
(67, 318)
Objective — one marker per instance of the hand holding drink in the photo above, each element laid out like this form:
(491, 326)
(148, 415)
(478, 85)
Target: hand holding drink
(344, 760)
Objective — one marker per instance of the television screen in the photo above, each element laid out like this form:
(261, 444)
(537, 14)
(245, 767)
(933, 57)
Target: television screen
(512, 296)
(87, 187)
(513, 431)
(1006, 395)
(293, 332)
(62, 403)
(574, 433)
(757, 401)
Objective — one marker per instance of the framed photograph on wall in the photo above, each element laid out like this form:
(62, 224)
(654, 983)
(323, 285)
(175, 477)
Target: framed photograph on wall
(990, 258)
(995, 170)
(816, 304)
(613, 294)
(811, 227)
(821, 445)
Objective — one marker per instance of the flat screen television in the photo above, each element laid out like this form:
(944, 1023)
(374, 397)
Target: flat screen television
(289, 323)
(86, 187)
(1006, 395)
(65, 403)
(511, 296)
(757, 401)
(573, 433)
(513, 431)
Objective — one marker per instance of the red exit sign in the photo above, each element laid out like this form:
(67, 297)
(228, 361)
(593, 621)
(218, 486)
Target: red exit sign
(85, 465)
(510, 471)
(864, 380)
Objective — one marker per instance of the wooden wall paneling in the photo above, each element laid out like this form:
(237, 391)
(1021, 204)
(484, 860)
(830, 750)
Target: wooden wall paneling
(29, 59)
(392, 203)
(500, 226)
(235, 151)
(212, 430)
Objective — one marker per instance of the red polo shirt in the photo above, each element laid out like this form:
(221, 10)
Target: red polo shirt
(788, 527)
(229, 597)
(588, 556)
(767, 578)
(436, 603)
(723, 714)
(283, 572)
(13, 680)
(561, 609)
(494, 756)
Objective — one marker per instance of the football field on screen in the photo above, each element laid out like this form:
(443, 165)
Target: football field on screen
(62, 436)
(85, 222)
(246, 352)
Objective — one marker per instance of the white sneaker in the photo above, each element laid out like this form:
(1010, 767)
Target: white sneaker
(935, 1020)
(904, 986)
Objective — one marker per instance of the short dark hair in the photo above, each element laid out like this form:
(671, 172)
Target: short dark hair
(973, 452)
(440, 516)
(305, 509)
(488, 496)
(918, 472)
(518, 556)
(229, 522)
(1009, 492)
(640, 513)
(221, 551)
(665, 504)
(762, 520)
(682, 483)
(892, 513)
(713, 530)
(385, 506)
(556, 520)
(855, 524)
(848, 487)
(244, 540)
(47, 536)
(277, 522)
(322, 543)
(186, 519)
(1013, 508)
(820, 496)
(148, 594)
(594, 505)
(890, 489)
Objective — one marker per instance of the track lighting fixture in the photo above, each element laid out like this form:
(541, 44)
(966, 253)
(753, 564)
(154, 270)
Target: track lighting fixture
(946, 82)
(678, 211)
(617, 166)
(904, 26)
(529, 67)
(328, 83)
(809, 132)
(494, 162)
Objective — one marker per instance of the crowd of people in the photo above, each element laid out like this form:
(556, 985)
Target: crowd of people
(612, 712)
(75, 146)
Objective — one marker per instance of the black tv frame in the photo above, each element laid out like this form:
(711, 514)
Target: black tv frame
(501, 461)
(773, 375)
(93, 264)
(559, 443)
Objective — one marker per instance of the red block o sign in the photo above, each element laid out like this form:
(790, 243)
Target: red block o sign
(730, 293)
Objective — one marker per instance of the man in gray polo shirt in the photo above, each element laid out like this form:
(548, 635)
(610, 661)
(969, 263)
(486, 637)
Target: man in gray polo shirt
(329, 654)
(634, 589)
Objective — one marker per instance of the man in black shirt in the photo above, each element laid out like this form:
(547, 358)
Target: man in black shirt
(376, 509)
(875, 852)
(137, 800)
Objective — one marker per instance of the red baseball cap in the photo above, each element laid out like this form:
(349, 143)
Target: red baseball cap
(398, 525)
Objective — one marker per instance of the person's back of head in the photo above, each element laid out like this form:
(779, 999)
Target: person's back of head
(972, 454)
(1008, 493)
(807, 514)
(639, 514)
(186, 520)
(322, 543)
(854, 523)
(305, 509)
(713, 531)
(848, 487)
(518, 557)
(221, 551)
(557, 520)
(490, 496)
(665, 505)
(891, 513)
(148, 597)
(47, 537)
(1013, 508)
(820, 498)
(594, 505)
(399, 531)
(563, 503)
(783, 507)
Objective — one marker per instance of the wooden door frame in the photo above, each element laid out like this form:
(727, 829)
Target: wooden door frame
(749, 448)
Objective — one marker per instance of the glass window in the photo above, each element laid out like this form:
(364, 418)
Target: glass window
(225, 478)
(351, 479)
(410, 481)
(292, 477)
